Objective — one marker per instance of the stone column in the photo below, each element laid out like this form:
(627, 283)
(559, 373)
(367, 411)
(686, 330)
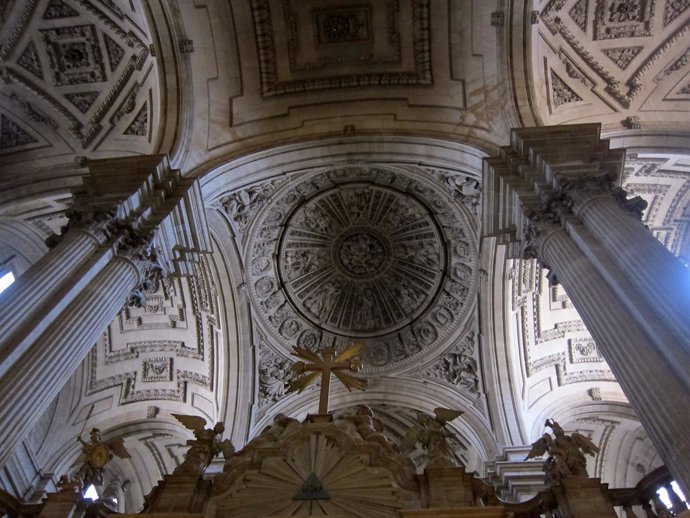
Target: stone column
(646, 264)
(642, 373)
(58, 351)
(29, 305)
(529, 199)
(154, 225)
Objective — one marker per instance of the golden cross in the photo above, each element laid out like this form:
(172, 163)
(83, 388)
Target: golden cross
(324, 366)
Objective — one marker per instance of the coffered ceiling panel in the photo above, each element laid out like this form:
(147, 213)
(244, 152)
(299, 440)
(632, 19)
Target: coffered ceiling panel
(79, 77)
(620, 62)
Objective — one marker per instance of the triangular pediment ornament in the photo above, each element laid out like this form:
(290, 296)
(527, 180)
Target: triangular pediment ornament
(622, 56)
(59, 9)
(30, 61)
(115, 52)
(82, 100)
(139, 126)
(673, 9)
(311, 489)
(561, 93)
(11, 135)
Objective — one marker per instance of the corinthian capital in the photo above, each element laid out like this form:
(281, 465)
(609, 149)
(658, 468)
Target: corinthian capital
(581, 190)
(96, 221)
(538, 225)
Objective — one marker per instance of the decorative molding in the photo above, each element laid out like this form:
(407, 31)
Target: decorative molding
(268, 48)
(65, 49)
(623, 18)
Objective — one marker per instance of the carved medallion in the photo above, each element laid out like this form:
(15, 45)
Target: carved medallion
(362, 254)
(361, 260)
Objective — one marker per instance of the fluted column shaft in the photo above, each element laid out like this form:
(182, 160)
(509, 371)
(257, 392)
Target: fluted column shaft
(33, 301)
(656, 272)
(646, 378)
(40, 373)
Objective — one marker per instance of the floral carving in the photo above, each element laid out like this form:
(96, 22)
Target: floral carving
(561, 92)
(622, 56)
(579, 14)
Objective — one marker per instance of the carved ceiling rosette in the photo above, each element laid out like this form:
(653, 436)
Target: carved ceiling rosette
(365, 254)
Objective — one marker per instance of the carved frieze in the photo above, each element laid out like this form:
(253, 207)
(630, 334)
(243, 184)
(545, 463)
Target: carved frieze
(362, 254)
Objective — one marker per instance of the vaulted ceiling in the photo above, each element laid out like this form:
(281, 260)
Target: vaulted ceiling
(304, 120)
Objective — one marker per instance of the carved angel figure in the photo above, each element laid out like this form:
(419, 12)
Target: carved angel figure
(369, 427)
(431, 433)
(566, 453)
(95, 455)
(204, 447)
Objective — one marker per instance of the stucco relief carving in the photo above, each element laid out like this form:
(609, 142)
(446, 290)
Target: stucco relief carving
(623, 18)
(274, 375)
(361, 259)
(561, 93)
(362, 254)
(583, 350)
(673, 9)
(242, 205)
(459, 366)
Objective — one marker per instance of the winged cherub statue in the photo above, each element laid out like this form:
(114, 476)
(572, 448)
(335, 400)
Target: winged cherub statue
(204, 447)
(566, 453)
(432, 435)
(95, 455)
